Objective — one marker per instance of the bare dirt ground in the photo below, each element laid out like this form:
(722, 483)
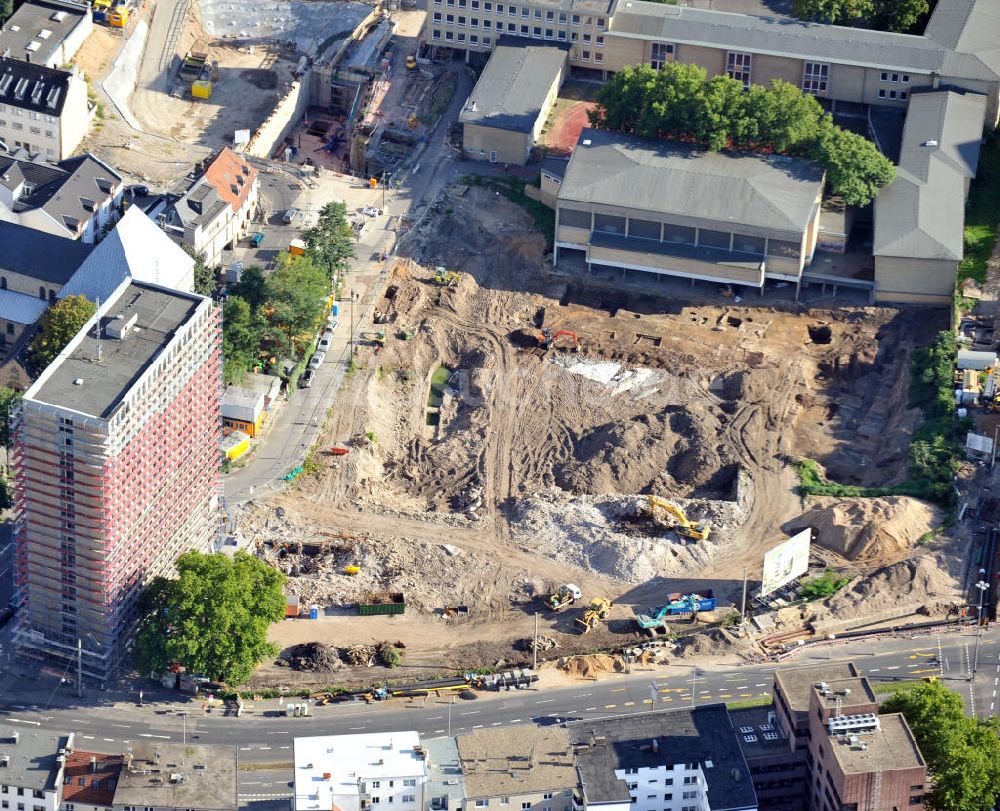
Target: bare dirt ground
(528, 468)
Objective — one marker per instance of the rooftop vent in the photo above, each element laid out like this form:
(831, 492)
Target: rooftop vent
(15, 737)
(78, 381)
(59, 16)
(864, 722)
(587, 142)
(4, 760)
(929, 143)
(44, 33)
(33, 46)
(120, 325)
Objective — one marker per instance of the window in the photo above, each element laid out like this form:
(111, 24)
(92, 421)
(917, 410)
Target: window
(881, 92)
(690, 779)
(525, 31)
(511, 28)
(499, 8)
(525, 12)
(689, 795)
(884, 77)
(668, 781)
(661, 53)
(17, 126)
(525, 806)
(549, 34)
(538, 14)
(562, 17)
(585, 56)
(814, 77)
(10, 328)
(600, 23)
(903, 94)
(586, 39)
(461, 37)
(461, 21)
(487, 25)
(549, 16)
(487, 7)
(436, 34)
(573, 36)
(575, 19)
(598, 57)
(547, 795)
(599, 41)
(536, 32)
(633, 786)
(487, 41)
(474, 22)
(892, 94)
(473, 39)
(511, 11)
(36, 131)
(474, 4)
(505, 801)
(437, 16)
(668, 797)
(561, 36)
(375, 800)
(450, 19)
(905, 78)
(408, 798)
(482, 803)
(738, 66)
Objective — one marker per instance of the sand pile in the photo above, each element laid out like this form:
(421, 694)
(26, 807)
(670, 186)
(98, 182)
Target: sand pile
(713, 642)
(869, 529)
(591, 665)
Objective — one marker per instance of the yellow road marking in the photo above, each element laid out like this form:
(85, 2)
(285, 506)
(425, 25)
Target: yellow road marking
(619, 689)
(666, 699)
(746, 695)
(629, 704)
(725, 695)
(647, 701)
(610, 706)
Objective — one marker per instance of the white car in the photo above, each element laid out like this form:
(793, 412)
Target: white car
(316, 360)
(332, 324)
(371, 211)
(324, 342)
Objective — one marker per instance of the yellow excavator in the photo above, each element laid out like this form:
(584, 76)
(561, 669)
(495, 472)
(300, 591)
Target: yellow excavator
(683, 526)
(595, 614)
(446, 277)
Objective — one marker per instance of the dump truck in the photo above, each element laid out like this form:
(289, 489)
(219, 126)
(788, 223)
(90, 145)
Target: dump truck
(683, 526)
(677, 604)
(596, 613)
(563, 597)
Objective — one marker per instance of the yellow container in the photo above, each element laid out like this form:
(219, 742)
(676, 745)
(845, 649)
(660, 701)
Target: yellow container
(201, 89)
(297, 247)
(352, 570)
(118, 18)
(238, 450)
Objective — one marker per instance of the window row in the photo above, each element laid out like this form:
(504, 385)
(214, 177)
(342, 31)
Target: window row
(510, 10)
(512, 28)
(902, 95)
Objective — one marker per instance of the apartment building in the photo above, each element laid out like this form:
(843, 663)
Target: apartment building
(839, 64)
(31, 768)
(667, 760)
(163, 776)
(519, 767)
(383, 771)
(46, 32)
(824, 746)
(78, 198)
(503, 117)
(670, 208)
(116, 459)
(217, 209)
(42, 110)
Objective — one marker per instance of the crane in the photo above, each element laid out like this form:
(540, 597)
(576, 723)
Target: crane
(684, 526)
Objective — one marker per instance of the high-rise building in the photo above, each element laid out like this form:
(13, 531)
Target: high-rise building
(116, 454)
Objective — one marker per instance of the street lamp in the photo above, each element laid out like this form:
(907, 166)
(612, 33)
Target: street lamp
(983, 587)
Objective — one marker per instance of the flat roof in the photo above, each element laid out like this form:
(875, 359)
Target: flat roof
(670, 178)
(444, 773)
(349, 759)
(703, 735)
(513, 87)
(517, 759)
(160, 313)
(171, 775)
(796, 683)
(756, 733)
(43, 24)
(33, 757)
(846, 694)
(892, 747)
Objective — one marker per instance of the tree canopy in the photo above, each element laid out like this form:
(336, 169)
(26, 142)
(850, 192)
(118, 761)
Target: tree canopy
(212, 619)
(884, 15)
(330, 243)
(295, 294)
(56, 328)
(9, 400)
(241, 338)
(679, 102)
(204, 277)
(962, 753)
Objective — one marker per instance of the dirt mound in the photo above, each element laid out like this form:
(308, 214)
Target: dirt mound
(869, 528)
(713, 642)
(591, 665)
(313, 656)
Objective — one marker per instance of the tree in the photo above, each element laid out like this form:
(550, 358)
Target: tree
(785, 117)
(898, 15)
(57, 327)
(962, 753)
(855, 169)
(330, 243)
(295, 294)
(213, 619)
(251, 287)
(205, 278)
(6, 9)
(836, 12)
(242, 333)
(9, 400)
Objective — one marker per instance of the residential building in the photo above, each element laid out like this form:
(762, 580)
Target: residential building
(90, 780)
(42, 110)
(920, 216)
(508, 107)
(165, 776)
(670, 208)
(527, 767)
(78, 198)
(31, 768)
(668, 760)
(444, 789)
(217, 208)
(116, 458)
(383, 770)
(840, 65)
(46, 32)
(823, 745)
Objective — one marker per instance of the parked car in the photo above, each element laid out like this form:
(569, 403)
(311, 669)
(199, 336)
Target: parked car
(316, 360)
(371, 211)
(324, 341)
(332, 323)
(306, 380)
(293, 215)
(139, 190)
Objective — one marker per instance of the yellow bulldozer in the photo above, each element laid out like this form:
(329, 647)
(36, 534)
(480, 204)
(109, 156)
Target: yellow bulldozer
(595, 614)
(683, 526)
(563, 597)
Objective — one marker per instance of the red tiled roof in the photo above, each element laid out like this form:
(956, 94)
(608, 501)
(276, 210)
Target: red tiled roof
(224, 174)
(91, 784)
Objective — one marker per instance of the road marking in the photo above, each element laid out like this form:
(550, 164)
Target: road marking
(746, 695)
(496, 723)
(88, 737)
(874, 669)
(470, 712)
(435, 718)
(78, 721)
(725, 695)
(629, 704)
(762, 684)
(122, 726)
(590, 709)
(244, 748)
(354, 729)
(478, 726)
(22, 721)
(647, 701)
(279, 732)
(515, 721)
(619, 689)
(148, 735)
(666, 699)
(610, 706)
(263, 747)
(582, 695)
(284, 747)
(893, 667)
(108, 740)
(438, 731)
(545, 701)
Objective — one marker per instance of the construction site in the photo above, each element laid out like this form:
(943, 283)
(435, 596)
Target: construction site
(514, 442)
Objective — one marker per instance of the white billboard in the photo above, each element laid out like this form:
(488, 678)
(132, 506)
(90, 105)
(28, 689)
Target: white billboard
(785, 562)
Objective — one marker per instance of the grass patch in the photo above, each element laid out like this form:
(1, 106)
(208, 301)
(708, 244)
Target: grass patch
(823, 586)
(982, 212)
(891, 688)
(439, 102)
(936, 448)
(512, 188)
(746, 703)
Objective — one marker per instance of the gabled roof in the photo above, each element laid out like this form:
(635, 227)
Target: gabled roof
(921, 214)
(136, 249)
(39, 255)
(33, 87)
(231, 177)
(970, 28)
(733, 189)
(90, 778)
(513, 87)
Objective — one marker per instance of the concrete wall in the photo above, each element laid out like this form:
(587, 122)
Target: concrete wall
(918, 281)
(73, 41)
(511, 147)
(75, 119)
(270, 135)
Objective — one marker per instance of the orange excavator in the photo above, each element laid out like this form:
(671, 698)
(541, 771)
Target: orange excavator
(547, 338)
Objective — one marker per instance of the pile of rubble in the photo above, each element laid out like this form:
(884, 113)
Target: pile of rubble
(313, 657)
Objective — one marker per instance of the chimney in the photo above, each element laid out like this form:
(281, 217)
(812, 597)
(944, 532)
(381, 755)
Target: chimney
(4, 760)
(15, 737)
